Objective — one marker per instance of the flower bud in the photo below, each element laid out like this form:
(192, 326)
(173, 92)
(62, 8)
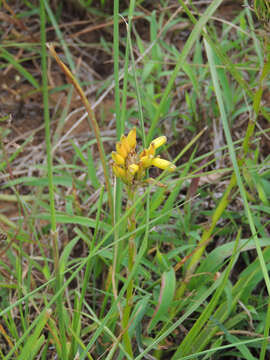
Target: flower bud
(163, 164)
(125, 143)
(159, 141)
(151, 150)
(133, 168)
(146, 161)
(118, 159)
(119, 172)
(121, 150)
(131, 138)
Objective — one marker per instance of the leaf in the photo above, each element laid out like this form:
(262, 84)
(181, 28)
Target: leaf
(215, 259)
(41, 181)
(66, 252)
(92, 173)
(258, 94)
(165, 298)
(34, 341)
(138, 313)
(70, 219)
(9, 58)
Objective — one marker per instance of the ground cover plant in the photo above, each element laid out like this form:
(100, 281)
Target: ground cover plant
(135, 179)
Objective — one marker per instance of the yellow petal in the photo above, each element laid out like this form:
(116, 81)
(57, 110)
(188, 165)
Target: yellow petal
(125, 143)
(118, 159)
(143, 153)
(121, 150)
(159, 141)
(146, 161)
(133, 168)
(119, 172)
(151, 150)
(163, 164)
(131, 138)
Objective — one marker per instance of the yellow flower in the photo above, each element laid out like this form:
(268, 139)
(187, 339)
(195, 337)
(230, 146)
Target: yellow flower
(159, 141)
(163, 164)
(130, 166)
(118, 159)
(125, 143)
(146, 161)
(119, 172)
(131, 138)
(133, 168)
(121, 150)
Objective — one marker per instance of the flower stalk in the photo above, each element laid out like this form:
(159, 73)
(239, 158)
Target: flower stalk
(131, 260)
(131, 167)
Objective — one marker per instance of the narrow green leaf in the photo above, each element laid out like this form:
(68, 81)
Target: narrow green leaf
(257, 100)
(81, 220)
(29, 347)
(79, 152)
(216, 258)
(181, 60)
(35, 181)
(166, 295)
(10, 59)
(187, 345)
(92, 174)
(138, 313)
(65, 254)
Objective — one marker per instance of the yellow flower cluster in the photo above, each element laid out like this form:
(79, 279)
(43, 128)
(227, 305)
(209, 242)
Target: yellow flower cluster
(130, 166)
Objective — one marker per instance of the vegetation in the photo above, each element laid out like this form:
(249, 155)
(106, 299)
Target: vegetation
(134, 180)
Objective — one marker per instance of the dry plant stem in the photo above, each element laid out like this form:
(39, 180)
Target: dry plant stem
(93, 123)
(131, 259)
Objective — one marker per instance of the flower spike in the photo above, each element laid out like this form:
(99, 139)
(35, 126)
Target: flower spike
(129, 166)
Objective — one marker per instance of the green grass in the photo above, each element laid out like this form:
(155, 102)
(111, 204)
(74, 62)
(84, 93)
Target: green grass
(198, 285)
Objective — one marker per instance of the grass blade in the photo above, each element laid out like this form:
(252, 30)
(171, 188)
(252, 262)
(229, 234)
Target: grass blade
(182, 57)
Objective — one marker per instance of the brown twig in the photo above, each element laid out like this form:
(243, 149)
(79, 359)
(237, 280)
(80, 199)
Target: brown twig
(92, 122)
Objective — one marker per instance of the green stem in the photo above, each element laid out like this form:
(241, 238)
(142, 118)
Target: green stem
(58, 279)
(131, 261)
